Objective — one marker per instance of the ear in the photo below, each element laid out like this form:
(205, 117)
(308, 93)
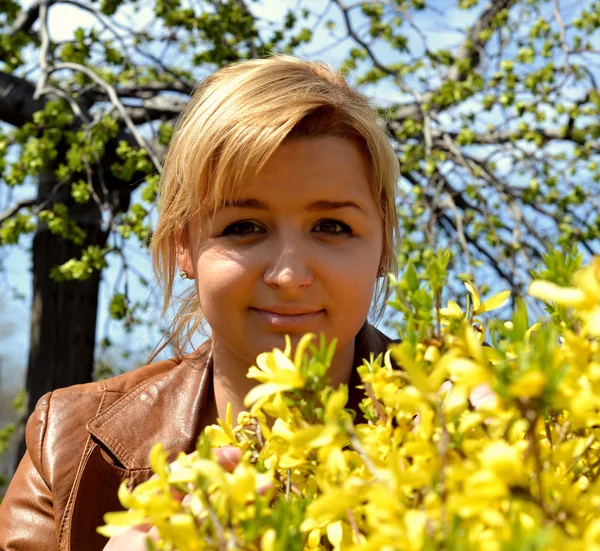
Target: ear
(184, 257)
(381, 270)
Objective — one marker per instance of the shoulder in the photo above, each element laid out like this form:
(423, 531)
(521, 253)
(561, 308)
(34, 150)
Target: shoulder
(120, 383)
(61, 416)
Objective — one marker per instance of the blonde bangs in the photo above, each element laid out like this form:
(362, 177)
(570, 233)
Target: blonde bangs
(235, 120)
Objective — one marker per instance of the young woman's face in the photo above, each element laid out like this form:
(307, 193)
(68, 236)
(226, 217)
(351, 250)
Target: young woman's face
(298, 252)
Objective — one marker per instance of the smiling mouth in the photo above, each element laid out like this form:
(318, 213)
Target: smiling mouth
(290, 318)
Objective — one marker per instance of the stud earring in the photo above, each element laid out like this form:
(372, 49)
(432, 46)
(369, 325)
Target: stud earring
(183, 274)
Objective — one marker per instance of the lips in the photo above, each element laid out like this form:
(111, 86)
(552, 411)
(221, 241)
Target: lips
(288, 316)
(288, 310)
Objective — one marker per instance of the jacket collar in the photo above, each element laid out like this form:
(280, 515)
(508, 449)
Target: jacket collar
(168, 408)
(171, 408)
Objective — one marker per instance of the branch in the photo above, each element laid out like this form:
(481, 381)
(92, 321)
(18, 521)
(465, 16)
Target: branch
(160, 107)
(475, 43)
(18, 103)
(508, 136)
(470, 50)
(26, 19)
(148, 91)
(493, 260)
(44, 50)
(12, 210)
(114, 98)
(563, 31)
(459, 228)
(352, 32)
(140, 115)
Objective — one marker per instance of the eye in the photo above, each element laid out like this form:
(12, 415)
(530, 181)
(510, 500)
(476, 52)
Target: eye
(243, 228)
(333, 227)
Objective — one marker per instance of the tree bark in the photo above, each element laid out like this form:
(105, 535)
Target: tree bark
(63, 314)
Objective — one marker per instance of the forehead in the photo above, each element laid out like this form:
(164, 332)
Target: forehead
(328, 168)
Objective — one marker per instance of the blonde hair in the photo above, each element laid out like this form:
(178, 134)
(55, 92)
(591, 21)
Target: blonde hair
(235, 120)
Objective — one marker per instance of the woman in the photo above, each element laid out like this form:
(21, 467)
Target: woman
(277, 199)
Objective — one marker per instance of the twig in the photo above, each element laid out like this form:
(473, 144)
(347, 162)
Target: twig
(103, 20)
(443, 454)
(353, 524)
(376, 403)
(259, 434)
(47, 89)
(459, 229)
(352, 32)
(427, 133)
(114, 98)
(216, 523)
(12, 210)
(563, 33)
(358, 448)
(44, 50)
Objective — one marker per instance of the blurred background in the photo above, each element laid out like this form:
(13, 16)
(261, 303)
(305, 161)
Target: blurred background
(492, 107)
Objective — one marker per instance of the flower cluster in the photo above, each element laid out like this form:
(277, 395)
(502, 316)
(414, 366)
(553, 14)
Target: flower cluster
(472, 436)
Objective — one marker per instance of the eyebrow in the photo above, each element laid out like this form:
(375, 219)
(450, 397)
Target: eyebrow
(317, 206)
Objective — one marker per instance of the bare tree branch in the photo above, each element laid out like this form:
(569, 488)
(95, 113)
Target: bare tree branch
(25, 19)
(44, 50)
(148, 91)
(13, 209)
(509, 136)
(352, 32)
(508, 276)
(476, 40)
(114, 98)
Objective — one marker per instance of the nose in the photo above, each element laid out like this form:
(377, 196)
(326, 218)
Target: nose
(289, 266)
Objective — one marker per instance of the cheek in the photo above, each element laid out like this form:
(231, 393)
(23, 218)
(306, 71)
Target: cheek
(221, 280)
(351, 285)
(355, 270)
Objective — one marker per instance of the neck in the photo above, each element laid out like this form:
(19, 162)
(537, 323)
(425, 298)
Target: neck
(231, 384)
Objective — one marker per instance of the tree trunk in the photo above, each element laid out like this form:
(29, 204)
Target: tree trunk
(63, 314)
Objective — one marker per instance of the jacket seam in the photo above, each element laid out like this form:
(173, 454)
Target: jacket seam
(45, 413)
(68, 513)
(128, 397)
(114, 445)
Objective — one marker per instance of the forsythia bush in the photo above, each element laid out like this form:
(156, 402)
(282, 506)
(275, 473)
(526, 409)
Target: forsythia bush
(487, 437)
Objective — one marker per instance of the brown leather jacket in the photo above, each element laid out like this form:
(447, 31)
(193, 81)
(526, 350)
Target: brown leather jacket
(82, 441)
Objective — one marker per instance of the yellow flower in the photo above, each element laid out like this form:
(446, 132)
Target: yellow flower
(468, 373)
(182, 531)
(505, 460)
(277, 371)
(415, 528)
(564, 296)
(222, 433)
(452, 311)
(529, 385)
(492, 303)
(333, 505)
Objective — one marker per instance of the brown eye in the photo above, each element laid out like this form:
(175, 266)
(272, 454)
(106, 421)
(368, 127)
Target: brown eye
(333, 227)
(243, 228)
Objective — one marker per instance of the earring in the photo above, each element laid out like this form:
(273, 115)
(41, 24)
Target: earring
(183, 274)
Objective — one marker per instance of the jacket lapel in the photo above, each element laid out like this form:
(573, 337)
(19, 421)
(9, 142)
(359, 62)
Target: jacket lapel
(169, 409)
